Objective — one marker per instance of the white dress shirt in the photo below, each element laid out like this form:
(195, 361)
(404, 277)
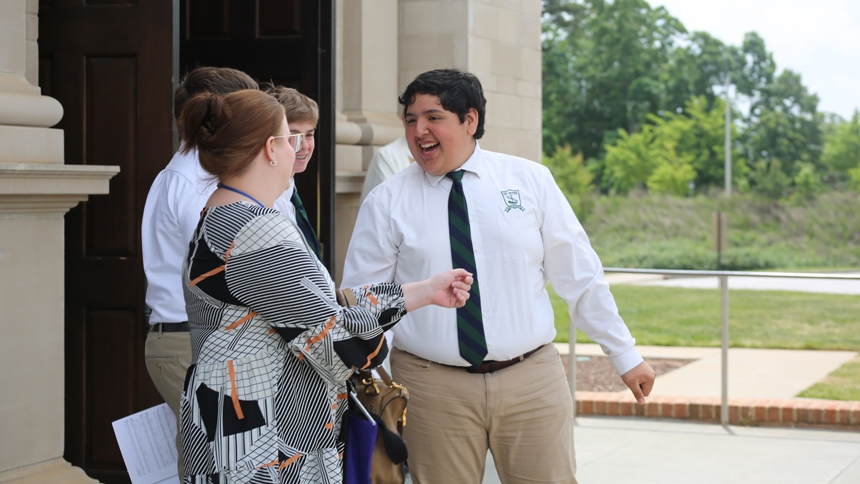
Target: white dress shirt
(172, 211)
(524, 234)
(387, 161)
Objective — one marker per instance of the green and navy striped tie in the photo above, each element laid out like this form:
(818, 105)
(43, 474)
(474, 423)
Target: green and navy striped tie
(470, 323)
(305, 224)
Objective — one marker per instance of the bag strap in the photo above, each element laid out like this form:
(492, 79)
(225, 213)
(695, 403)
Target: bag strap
(383, 375)
(395, 446)
(345, 297)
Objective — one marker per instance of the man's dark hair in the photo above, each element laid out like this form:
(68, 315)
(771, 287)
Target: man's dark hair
(214, 80)
(458, 92)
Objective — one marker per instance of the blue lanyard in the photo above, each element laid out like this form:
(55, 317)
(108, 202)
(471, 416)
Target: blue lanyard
(240, 192)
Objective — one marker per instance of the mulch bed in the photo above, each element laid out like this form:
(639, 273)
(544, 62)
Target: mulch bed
(596, 374)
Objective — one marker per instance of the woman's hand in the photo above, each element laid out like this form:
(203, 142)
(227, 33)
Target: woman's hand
(449, 289)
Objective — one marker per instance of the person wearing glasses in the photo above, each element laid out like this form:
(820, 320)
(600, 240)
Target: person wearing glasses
(172, 210)
(303, 114)
(271, 347)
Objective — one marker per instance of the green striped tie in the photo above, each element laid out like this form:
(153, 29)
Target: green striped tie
(305, 224)
(470, 323)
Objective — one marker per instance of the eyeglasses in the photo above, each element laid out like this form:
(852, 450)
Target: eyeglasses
(297, 144)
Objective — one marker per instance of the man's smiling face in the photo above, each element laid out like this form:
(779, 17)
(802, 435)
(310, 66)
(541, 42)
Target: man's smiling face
(439, 142)
(303, 156)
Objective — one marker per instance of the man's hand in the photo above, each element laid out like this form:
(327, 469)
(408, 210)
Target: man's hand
(640, 381)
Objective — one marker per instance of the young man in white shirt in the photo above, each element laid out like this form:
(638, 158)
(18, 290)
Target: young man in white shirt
(302, 116)
(488, 378)
(387, 161)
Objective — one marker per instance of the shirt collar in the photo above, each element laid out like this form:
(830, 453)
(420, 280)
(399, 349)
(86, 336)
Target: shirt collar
(475, 164)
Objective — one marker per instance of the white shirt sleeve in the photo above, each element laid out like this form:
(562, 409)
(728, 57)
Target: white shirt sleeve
(576, 274)
(372, 253)
(387, 161)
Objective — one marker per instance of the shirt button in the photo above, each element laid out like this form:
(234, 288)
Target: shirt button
(484, 313)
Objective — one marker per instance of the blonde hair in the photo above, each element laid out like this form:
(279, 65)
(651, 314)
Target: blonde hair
(299, 107)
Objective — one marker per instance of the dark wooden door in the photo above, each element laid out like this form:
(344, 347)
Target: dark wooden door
(288, 42)
(109, 62)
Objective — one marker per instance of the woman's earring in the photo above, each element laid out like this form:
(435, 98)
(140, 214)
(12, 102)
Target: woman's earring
(273, 162)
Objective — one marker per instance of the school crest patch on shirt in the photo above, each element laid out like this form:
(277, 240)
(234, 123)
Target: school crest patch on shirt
(512, 200)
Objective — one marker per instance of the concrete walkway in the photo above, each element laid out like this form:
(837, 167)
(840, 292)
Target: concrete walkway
(621, 450)
(641, 451)
(753, 373)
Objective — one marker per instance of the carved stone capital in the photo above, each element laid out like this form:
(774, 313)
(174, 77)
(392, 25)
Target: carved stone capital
(50, 188)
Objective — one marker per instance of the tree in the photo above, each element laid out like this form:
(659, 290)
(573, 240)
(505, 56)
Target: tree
(611, 69)
(601, 69)
(671, 151)
(694, 68)
(842, 146)
(699, 135)
(631, 160)
(784, 124)
(573, 180)
(674, 174)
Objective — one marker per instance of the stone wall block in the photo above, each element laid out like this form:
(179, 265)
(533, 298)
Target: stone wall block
(531, 113)
(508, 4)
(423, 18)
(481, 56)
(531, 8)
(531, 65)
(507, 60)
(507, 29)
(529, 31)
(423, 53)
(506, 85)
(484, 20)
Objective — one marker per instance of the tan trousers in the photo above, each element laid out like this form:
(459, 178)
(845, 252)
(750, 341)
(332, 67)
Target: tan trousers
(168, 356)
(522, 414)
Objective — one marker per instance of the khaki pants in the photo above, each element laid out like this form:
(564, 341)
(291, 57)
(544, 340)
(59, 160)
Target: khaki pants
(522, 414)
(168, 356)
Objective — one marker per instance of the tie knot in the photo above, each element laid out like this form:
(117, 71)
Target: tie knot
(457, 176)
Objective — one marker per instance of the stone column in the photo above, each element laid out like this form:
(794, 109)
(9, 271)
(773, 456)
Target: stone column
(36, 189)
(498, 41)
(366, 100)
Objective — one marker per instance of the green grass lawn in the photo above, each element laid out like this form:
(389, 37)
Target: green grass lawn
(669, 316)
(842, 384)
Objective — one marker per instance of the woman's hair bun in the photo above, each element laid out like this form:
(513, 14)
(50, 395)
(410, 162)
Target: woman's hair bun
(229, 131)
(201, 119)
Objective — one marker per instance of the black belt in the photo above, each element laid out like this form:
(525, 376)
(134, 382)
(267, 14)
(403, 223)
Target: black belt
(182, 327)
(491, 366)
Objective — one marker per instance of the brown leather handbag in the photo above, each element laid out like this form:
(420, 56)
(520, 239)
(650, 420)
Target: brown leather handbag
(386, 401)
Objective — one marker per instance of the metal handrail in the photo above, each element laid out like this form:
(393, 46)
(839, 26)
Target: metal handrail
(681, 272)
(724, 313)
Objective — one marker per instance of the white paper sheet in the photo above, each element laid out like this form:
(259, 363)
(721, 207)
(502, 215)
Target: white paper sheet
(147, 441)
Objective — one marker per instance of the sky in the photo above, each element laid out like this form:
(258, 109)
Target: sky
(819, 39)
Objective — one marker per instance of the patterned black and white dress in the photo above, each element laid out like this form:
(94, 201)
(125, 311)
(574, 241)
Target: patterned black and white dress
(272, 348)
